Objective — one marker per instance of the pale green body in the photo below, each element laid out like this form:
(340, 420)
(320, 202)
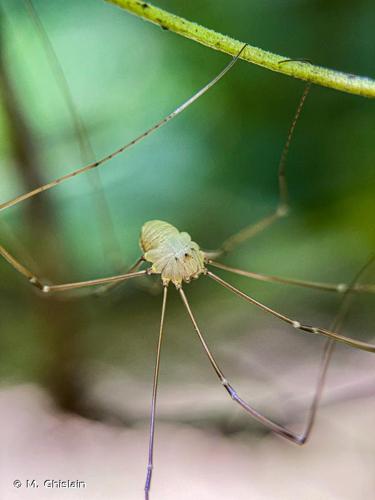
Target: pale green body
(172, 254)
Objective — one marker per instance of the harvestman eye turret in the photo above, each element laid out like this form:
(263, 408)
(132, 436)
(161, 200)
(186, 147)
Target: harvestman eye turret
(178, 259)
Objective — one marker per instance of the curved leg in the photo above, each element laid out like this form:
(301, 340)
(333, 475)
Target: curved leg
(130, 144)
(283, 206)
(270, 424)
(111, 246)
(326, 358)
(34, 280)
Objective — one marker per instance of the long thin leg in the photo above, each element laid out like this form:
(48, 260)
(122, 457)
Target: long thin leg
(34, 280)
(270, 424)
(150, 464)
(330, 346)
(296, 324)
(283, 188)
(61, 80)
(15, 242)
(138, 139)
(107, 288)
(246, 234)
(283, 206)
(87, 154)
(329, 287)
(327, 355)
(100, 281)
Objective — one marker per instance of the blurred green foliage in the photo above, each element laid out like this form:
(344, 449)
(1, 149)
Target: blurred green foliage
(210, 172)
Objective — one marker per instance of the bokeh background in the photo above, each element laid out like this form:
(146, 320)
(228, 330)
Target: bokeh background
(76, 375)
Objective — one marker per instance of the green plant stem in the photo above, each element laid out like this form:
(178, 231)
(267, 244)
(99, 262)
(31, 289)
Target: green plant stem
(344, 82)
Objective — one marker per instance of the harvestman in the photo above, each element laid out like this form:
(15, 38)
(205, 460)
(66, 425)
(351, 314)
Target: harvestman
(177, 259)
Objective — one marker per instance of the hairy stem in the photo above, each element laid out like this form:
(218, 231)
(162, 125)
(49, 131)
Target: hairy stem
(344, 82)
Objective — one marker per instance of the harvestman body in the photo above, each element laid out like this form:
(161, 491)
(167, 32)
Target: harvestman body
(172, 254)
(177, 259)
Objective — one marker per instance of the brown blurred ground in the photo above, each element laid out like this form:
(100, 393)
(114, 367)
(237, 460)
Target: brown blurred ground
(39, 443)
